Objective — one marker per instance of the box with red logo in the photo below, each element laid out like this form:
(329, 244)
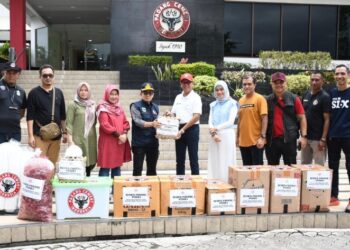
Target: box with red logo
(285, 189)
(88, 199)
(136, 196)
(316, 187)
(182, 195)
(221, 197)
(252, 185)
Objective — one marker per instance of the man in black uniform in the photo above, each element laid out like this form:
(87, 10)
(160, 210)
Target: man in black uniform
(12, 103)
(317, 106)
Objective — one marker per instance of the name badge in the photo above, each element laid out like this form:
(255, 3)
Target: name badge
(18, 93)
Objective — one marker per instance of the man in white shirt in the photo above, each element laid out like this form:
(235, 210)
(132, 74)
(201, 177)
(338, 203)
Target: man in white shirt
(187, 108)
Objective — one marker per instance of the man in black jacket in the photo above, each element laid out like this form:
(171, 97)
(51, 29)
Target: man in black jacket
(12, 103)
(285, 116)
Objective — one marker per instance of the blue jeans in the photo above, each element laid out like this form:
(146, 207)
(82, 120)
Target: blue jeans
(105, 172)
(5, 137)
(189, 139)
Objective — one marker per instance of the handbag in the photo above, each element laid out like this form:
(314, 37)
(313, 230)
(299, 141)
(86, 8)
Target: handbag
(52, 130)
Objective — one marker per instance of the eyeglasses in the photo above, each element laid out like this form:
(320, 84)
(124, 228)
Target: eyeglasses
(47, 76)
(147, 92)
(186, 82)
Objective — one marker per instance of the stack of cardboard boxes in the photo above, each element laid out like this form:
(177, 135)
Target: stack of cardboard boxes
(252, 190)
(281, 189)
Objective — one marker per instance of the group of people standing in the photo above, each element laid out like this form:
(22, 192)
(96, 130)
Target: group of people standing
(280, 124)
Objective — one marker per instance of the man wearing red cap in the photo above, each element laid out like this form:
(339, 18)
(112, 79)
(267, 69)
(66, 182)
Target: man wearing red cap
(187, 108)
(285, 116)
(12, 103)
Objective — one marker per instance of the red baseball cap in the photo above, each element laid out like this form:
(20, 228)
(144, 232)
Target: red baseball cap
(278, 76)
(186, 77)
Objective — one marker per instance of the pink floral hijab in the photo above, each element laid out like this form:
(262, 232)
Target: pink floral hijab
(106, 106)
(89, 107)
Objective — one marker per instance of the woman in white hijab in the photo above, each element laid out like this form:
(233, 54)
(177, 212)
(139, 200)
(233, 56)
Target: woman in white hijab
(222, 144)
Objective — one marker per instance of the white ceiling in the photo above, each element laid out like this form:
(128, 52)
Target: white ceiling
(73, 12)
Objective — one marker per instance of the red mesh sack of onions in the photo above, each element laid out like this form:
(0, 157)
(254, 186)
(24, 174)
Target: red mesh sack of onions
(36, 192)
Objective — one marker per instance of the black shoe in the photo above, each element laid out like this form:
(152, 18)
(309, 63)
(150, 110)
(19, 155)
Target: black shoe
(347, 209)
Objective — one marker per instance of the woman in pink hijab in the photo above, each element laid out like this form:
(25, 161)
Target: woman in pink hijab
(113, 144)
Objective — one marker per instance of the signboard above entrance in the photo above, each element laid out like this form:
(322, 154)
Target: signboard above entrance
(171, 19)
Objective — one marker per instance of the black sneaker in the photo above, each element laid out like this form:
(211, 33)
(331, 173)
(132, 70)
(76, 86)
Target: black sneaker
(347, 209)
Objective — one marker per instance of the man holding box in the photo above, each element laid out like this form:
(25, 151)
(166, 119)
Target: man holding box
(144, 114)
(339, 132)
(188, 108)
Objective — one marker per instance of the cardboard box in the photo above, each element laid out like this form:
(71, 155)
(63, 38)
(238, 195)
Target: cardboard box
(221, 197)
(316, 187)
(136, 196)
(285, 189)
(252, 185)
(182, 195)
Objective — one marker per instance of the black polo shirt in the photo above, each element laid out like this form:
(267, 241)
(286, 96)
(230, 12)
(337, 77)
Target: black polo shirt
(315, 105)
(12, 101)
(39, 107)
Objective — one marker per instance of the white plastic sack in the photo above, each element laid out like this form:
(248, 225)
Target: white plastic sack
(169, 127)
(12, 160)
(72, 165)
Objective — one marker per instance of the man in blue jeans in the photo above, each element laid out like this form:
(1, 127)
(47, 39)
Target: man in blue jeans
(187, 108)
(13, 102)
(339, 132)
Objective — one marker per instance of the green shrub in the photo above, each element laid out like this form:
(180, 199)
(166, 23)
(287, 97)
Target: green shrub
(204, 84)
(237, 65)
(146, 60)
(298, 84)
(4, 50)
(295, 60)
(162, 74)
(196, 69)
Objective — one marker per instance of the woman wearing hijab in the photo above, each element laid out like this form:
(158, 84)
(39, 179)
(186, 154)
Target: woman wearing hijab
(113, 144)
(81, 125)
(222, 145)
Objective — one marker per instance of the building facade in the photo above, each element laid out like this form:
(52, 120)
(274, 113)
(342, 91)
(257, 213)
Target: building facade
(101, 34)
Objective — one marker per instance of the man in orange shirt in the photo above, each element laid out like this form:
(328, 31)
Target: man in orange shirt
(252, 124)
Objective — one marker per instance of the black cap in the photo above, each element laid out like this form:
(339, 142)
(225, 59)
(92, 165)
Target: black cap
(12, 66)
(147, 86)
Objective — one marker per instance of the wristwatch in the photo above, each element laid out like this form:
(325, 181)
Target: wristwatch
(303, 136)
(263, 136)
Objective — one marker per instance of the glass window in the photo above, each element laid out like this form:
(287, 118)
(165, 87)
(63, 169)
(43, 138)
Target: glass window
(238, 29)
(41, 46)
(344, 33)
(323, 29)
(295, 29)
(266, 27)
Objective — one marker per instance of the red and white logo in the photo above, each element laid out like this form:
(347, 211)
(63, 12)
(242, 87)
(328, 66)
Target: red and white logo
(81, 201)
(171, 19)
(10, 185)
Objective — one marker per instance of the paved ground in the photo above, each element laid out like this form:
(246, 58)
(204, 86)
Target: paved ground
(306, 239)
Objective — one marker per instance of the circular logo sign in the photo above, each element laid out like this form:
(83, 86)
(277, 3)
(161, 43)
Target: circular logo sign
(81, 201)
(171, 19)
(10, 185)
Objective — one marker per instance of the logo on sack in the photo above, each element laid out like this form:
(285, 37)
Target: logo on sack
(81, 201)
(10, 185)
(171, 19)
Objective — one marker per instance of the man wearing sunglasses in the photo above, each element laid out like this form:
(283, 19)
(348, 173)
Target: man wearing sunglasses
(12, 103)
(39, 114)
(285, 116)
(144, 114)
